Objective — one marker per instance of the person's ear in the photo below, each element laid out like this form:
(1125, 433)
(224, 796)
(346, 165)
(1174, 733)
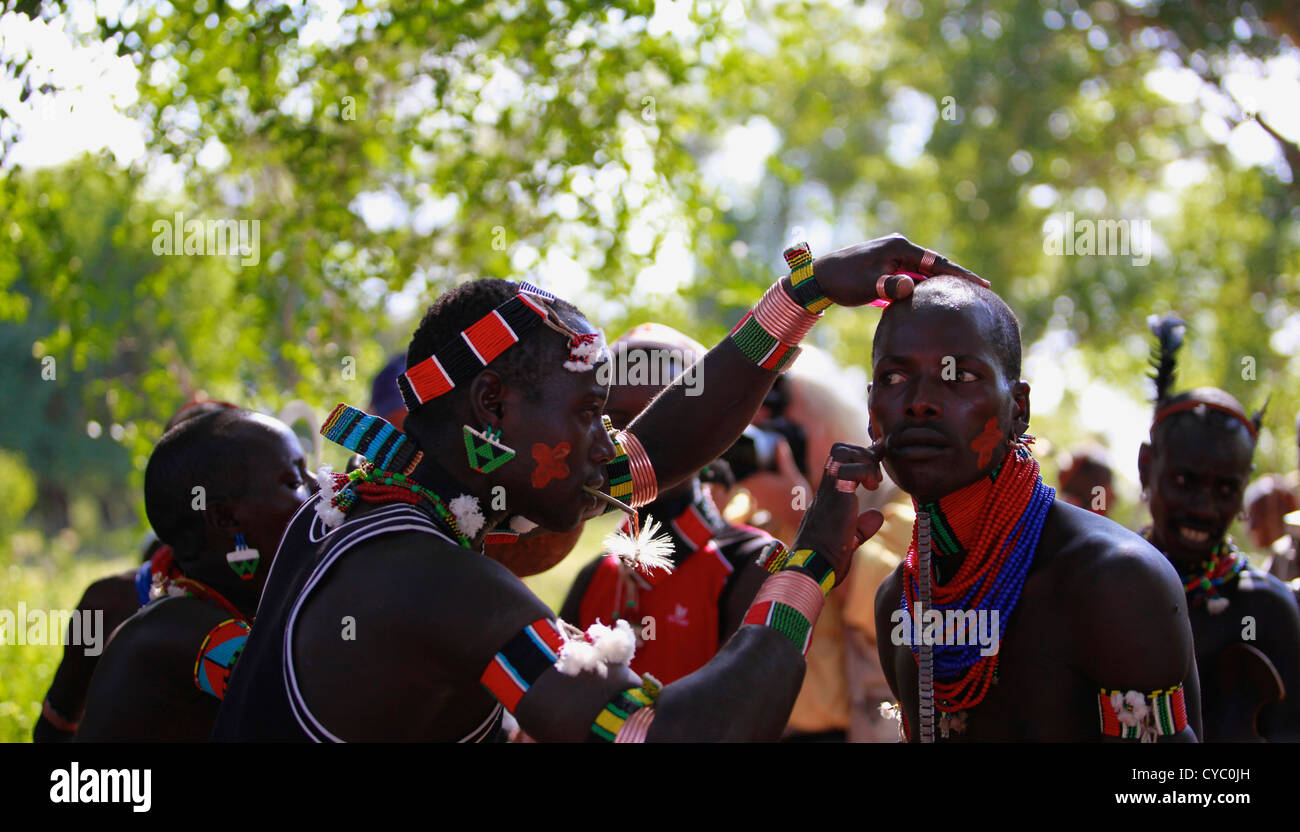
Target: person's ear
(220, 518)
(1146, 458)
(1020, 415)
(487, 394)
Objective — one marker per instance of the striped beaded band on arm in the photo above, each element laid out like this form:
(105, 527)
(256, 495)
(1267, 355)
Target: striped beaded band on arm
(788, 602)
(819, 568)
(773, 556)
(807, 292)
(618, 721)
(522, 661)
(1142, 716)
(770, 333)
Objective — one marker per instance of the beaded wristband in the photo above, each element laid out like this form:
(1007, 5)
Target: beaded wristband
(645, 486)
(785, 320)
(773, 556)
(760, 346)
(807, 291)
(1142, 716)
(621, 708)
(817, 565)
(789, 603)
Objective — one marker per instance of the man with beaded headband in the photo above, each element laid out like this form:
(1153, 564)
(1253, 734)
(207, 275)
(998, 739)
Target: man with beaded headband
(420, 637)
(1090, 639)
(1245, 623)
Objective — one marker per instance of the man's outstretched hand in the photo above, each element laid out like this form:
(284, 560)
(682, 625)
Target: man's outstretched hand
(848, 276)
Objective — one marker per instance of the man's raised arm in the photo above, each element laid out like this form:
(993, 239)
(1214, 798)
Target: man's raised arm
(700, 415)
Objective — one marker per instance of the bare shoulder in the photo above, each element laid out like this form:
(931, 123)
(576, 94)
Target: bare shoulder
(1126, 606)
(1261, 593)
(167, 631)
(1108, 570)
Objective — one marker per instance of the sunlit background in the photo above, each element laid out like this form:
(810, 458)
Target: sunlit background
(645, 160)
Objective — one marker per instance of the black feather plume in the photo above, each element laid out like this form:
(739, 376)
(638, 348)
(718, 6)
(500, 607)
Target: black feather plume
(1258, 418)
(1169, 337)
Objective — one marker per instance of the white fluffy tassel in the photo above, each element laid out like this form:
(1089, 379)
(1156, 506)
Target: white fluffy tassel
(578, 656)
(469, 517)
(595, 651)
(330, 516)
(614, 645)
(645, 551)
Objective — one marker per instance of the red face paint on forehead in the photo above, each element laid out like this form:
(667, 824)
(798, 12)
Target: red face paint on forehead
(550, 463)
(987, 442)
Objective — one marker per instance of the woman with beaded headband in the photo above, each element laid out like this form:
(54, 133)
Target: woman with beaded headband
(506, 421)
(1194, 472)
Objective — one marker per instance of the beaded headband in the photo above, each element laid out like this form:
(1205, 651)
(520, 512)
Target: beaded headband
(462, 358)
(1193, 404)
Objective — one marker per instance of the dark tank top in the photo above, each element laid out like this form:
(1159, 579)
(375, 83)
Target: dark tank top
(263, 702)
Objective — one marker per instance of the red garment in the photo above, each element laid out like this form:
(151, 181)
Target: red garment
(682, 606)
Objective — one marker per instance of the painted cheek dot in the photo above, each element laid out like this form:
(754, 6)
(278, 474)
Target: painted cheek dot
(550, 463)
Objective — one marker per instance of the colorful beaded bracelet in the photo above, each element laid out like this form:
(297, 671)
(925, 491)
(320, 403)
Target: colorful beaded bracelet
(760, 346)
(773, 556)
(817, 565)
(1142, 716)
(621, 709)
(807, 292)
(788, 602)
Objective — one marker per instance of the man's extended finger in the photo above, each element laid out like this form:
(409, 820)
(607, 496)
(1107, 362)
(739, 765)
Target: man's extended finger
(912, 255)
(867, 473)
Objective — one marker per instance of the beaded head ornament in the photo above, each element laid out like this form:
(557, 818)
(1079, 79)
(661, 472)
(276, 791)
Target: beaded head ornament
(462, 358)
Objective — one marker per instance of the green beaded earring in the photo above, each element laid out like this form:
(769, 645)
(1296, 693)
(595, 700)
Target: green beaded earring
(485, 450)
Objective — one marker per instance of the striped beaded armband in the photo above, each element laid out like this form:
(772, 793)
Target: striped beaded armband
(773, 556)
(522, 661)
(760, 346)
(788, 602)
(1142, 716)
(807, 292)
(817, 565)
(626, 717)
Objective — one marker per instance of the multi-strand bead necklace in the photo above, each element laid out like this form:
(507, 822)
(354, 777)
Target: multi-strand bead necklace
(995, 523)
(376, 486)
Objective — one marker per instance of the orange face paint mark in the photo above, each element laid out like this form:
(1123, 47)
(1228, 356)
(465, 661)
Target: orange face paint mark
(987, 442)
(550, 463)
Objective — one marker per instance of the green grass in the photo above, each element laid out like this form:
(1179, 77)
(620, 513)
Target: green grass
(52, 582)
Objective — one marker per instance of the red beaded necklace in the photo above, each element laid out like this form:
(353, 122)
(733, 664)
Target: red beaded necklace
(977, 523)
